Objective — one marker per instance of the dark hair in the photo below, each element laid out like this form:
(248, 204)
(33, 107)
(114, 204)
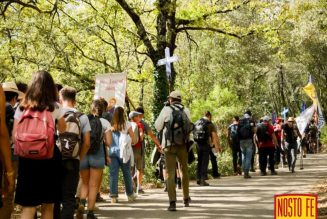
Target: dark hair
(140, 110)
(41, 93)
(118, 119)
(10, 95)
(248, 112)
(207, 114)
(97, 107)
(59, 87)
(68, 93)
(237, 118)
(22, 87)
(104, 103)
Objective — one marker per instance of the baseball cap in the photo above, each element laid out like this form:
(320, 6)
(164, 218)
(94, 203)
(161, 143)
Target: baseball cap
(266, 118)
(133, 114)
(175, 94)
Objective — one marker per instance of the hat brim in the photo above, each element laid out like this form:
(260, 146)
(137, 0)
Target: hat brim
(20, 94)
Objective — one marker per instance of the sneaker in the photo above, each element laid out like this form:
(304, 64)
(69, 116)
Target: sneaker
(114, 200)
(131, 198)
(204, 183)
(99, 198)
(165, 189)
(90, 215)
(187, 202)
(273, 173)
(172, 206)
(263, 174)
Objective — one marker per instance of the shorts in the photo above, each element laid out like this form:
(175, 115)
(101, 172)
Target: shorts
(96, 161)
(138, 158)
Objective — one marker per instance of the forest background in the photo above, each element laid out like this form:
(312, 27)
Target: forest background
(233, 54)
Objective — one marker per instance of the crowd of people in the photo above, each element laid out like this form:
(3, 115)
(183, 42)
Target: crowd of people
(53, 156)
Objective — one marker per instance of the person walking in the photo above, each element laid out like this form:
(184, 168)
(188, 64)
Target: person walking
(174, 120)
(39, 180)
(246, 130)
(290, 133)
(267, 144)
(121, 155)
(74, 144)
(234, 143)
(92, 165)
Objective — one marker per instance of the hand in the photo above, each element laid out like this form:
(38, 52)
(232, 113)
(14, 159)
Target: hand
(159, 148)
(108, 160)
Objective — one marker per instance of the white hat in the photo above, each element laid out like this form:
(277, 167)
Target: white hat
(133, 114)
(175, 94)
(266, 118)
(12, 87)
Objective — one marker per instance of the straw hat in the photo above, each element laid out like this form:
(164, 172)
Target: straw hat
(291, 119)
(12, 87)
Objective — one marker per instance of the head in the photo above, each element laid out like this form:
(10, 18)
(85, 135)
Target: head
(208, 115)
(41, 93)
(175, 96)
(11, 97)
(247, 114)
(266, 119)
(118, 119)
(112, 103)
(135, 116)
(104, 103)
(236, 119)
(140, 110)
(291, 121)
(67, 96)
(12, 92)
(97, 108)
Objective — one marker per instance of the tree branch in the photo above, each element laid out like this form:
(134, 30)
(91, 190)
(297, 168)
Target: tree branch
(139, 25)
(210, 29)
(205, 16)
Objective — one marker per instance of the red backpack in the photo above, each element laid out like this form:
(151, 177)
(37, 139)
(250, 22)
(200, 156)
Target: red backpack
(34, 136)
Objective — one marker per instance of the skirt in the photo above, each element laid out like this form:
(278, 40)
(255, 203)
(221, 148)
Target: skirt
(39, 181)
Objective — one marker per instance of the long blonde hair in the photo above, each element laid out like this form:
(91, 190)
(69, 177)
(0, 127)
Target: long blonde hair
(118, 119)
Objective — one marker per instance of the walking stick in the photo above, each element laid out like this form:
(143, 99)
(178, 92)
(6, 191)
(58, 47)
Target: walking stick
(301, 154)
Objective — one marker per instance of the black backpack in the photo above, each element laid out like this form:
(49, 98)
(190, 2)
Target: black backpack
(10, 112)
(96, 134)
(245, 129)
(178, 127)
(233, 130)
(263, 133)
(201, 132)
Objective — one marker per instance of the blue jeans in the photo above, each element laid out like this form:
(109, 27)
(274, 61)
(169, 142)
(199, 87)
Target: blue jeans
(247, 150)
(291, 155)
(116, 162)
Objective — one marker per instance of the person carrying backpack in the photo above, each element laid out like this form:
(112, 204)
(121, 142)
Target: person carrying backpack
(74, 144)
(121, 154)
(246, 130)
(267, 144)
(6, 166)
(234, 143)
(92, 165)
(175, 122)
(204, 130)
(39, 171)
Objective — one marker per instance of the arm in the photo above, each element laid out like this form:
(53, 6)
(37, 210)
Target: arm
(160, 121)
(274, 139)
(131, 134)
(85, 146)
(154, 139)
(4, 144)
(215, 141)
(141, 131)
(61, 125)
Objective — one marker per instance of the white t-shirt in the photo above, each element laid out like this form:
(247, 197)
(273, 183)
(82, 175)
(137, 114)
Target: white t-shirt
(58, 113)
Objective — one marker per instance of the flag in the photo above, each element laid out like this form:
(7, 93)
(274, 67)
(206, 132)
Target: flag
(304, 118)
(310, 90)
(303, 107)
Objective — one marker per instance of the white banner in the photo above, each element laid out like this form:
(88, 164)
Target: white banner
(111, 85)
(303, 120)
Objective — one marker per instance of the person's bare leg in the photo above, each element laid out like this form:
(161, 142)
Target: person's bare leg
(95, 177)
(28, 212)
(47, 211)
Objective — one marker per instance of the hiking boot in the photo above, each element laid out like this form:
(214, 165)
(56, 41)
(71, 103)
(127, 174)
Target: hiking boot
(273, 173)
(204, 183)
(131, 198)
(77, 200)
(247, 176)
(216, 176)
(187, 202)
(252, 170)
(293, 171)
(165, 189)
(114, 200)
(198, 182)
(99, 198)
(90, 215)
(263, 174)
(172, 206)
